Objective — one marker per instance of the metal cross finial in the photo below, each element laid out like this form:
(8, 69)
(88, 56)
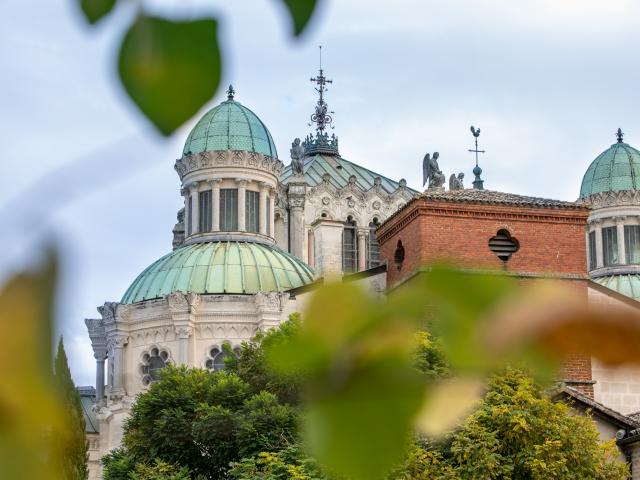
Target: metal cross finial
(478, 183)
(230, 92)
(619, 134)
(321, 117)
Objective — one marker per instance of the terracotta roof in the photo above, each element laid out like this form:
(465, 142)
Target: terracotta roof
(498, 198)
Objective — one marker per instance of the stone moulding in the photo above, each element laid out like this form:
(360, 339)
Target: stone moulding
(228, 158)
(615, 199)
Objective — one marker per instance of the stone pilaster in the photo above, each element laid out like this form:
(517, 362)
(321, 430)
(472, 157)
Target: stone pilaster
(183, 308)
(242, 192)
(362, 250)
(194, 191)
(327, 236)
(597, 226)
(622, 250)
(297, 194)
(264, 188)
(215, 204)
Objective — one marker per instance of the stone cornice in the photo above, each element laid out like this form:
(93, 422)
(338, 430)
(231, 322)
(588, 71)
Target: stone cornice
(227, 158)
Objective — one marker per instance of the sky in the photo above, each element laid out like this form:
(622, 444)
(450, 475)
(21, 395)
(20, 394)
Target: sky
(547, 81)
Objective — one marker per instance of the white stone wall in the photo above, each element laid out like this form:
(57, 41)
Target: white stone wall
(617, 387)
(175, 323)
(324, 202)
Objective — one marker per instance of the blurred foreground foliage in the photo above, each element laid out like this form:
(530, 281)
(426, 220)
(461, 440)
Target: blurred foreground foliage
(41, 422)
(351, 390)
(172, 68)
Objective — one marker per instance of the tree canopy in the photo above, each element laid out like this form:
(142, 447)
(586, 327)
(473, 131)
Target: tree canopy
(72, 442)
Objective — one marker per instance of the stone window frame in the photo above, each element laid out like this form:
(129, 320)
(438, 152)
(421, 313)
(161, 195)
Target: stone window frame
(146, 377)
(209, 362)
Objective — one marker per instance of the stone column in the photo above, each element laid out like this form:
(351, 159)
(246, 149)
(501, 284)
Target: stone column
(297, 193)
(100, 358)
(215, 204)
(195, 207)
(362, 250)
(622, 251)
(311, 250)
(263, 208)
(272, 212)
(242, 191)
(119, 343)
(599, 254)
(183, 335)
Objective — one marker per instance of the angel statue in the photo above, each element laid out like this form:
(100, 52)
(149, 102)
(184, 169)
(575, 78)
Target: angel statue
(297, 153)
(455, 183)
(431, 172)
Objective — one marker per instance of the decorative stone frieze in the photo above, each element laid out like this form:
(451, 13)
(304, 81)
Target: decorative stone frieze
(229, 158)
(615, 199)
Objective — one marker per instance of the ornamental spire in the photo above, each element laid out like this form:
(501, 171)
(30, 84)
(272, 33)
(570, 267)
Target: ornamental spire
(619, 135)
(230, 92)
(321, 117)
(478, 183)
(321, 142)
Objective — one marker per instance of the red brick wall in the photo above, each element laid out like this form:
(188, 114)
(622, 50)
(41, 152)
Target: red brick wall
(552, 241)
(576, 372)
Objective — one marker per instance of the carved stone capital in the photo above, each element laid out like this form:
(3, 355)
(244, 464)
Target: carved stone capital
(177, 302)
(269, 301)
(194, 187)
(242, 182)
(184, 331)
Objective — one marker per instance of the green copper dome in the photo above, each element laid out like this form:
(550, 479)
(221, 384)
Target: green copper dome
(220, 267)
(617, 168)
(628, 285)
(230, 126)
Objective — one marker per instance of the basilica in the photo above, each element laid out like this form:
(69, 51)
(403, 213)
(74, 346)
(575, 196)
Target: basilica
(255, 236)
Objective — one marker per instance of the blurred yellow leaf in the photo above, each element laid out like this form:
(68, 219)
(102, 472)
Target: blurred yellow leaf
(448, 402)
(558, 320)
(29, 411)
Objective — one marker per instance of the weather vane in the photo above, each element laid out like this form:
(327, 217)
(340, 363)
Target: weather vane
(321, 117)
(478, 183)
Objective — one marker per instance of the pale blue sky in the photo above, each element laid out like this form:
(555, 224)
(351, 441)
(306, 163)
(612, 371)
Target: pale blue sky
(548, 81)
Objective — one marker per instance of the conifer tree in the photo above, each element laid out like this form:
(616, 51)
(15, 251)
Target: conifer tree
(73, 448)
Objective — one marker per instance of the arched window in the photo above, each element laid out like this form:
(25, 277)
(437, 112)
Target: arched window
(349, 246)
(373, 249)
(152, 362)
(216, 358)
(398, 255)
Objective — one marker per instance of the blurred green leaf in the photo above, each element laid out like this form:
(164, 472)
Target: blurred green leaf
(363, 391)
(170, 69)
(459, 304)
(300, 12)
(94, 10)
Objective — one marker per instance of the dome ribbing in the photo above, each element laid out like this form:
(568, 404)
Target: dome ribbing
(220, 267)
(617, 168)
(230, 126)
